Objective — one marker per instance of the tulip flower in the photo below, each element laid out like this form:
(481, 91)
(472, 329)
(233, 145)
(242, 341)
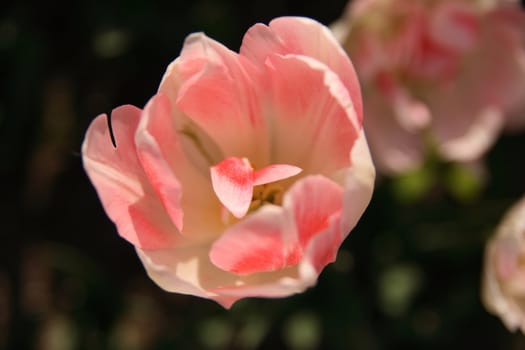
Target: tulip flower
(244, 173)
(503, 290)
(440, 77)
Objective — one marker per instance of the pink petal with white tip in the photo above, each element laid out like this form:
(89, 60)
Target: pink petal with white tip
(303, 36)
(314, 121)
(218, 91)
(314, 201)
(258, 243)
(232, 181)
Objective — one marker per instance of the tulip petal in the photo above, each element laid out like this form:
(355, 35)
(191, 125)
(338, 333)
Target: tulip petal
(341, 207)
(218, 91)
(189, 270)
(155, 162)
(270, 285)
(232, 181)
(312, 115)
(314, 201)
(394, 148)
(461, 142)
(121, 184)
(161, 153)
(411, 114)
(323, 247)
(503, 32)
(274, 172)
(303, 36)
(259, 243)
(162, 266)
(358, 184)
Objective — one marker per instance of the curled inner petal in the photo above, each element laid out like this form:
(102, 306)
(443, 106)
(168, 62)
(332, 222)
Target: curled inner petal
(234, 179)
(274, 172)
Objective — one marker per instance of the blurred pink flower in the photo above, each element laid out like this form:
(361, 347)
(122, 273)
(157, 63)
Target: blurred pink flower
(503, 291)
(245, 172)
(447, 74)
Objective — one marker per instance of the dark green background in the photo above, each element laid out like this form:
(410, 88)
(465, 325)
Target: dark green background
(407, 277)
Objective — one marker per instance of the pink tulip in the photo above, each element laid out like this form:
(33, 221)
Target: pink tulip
(442, 75)
(242, 176)
(504, 272)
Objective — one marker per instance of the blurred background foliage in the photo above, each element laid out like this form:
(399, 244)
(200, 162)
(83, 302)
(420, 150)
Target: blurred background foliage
(407, 277)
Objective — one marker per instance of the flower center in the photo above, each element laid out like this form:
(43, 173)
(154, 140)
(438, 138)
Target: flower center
(266, 194)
